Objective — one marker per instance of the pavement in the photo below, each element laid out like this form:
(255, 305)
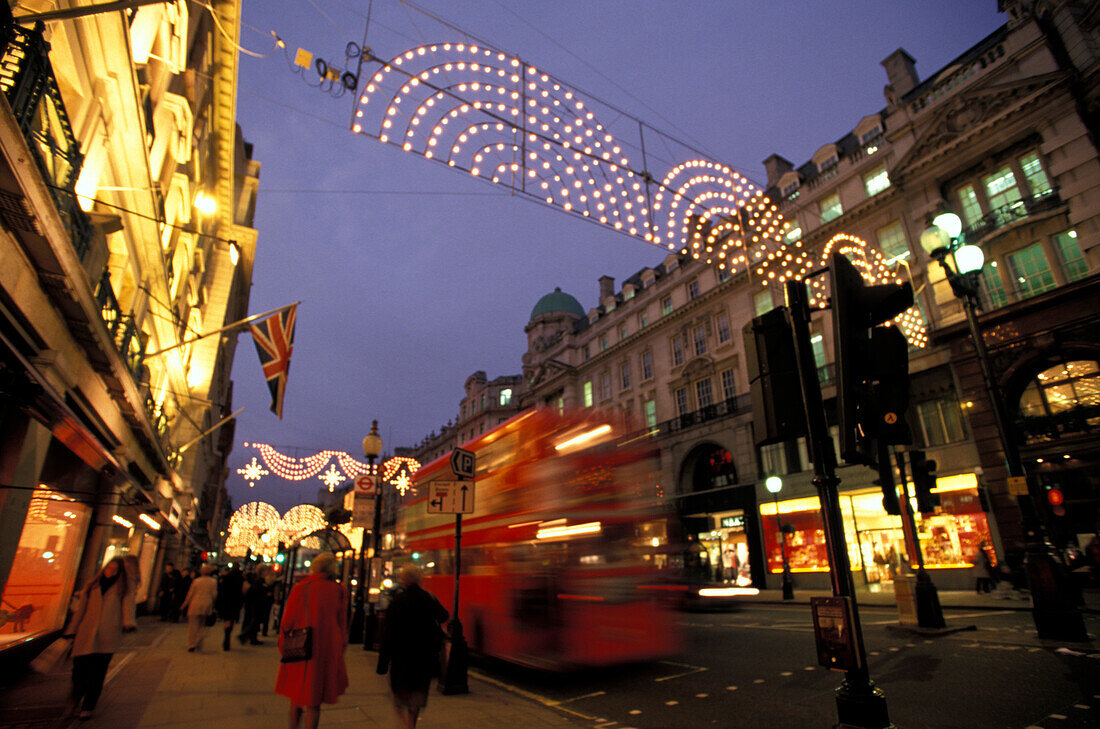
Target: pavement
(155, 683)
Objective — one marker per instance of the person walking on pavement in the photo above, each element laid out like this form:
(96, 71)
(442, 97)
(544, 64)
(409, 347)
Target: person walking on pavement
(228, 602)
(253, 608)
(320, 603)
(183, 586)
(166, 593)
(105, 611)
(412, 637)
(199, 604)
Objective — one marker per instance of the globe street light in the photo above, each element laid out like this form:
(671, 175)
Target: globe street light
(1054, 606)
(774, 484)
(372, 446)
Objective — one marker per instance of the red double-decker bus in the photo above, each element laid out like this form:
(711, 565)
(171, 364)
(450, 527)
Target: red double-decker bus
(561, 541)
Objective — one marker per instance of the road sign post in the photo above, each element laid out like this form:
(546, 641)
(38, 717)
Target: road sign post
(456, 497)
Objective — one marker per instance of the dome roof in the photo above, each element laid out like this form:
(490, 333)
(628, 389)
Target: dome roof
(555, 302)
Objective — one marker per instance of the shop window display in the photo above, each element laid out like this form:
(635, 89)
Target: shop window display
(728, 550)
(36, 595)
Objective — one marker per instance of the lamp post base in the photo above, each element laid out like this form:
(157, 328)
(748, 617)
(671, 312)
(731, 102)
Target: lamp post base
(1054, 604)
(929, 612)
(861, 706)
(458, 662)
(788, 586)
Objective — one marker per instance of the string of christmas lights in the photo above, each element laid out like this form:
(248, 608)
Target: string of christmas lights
(503, 120)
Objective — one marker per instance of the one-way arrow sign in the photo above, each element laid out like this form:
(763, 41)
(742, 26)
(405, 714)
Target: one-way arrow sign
(451, 497)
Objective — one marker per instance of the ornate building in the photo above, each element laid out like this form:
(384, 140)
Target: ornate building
(1005, 135)
(127, 197)
(486, 405)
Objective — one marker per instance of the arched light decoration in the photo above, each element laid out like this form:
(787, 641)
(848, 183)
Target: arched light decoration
(794, 262)
(331, 467)
(246, 527)
(503, 120)
(300, 521)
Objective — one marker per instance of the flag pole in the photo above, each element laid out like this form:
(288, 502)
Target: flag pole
(207, 432)
(228, 327)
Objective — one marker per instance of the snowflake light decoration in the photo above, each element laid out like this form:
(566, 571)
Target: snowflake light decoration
(332, 477)
(253, 472)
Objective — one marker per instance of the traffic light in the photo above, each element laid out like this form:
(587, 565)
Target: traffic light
(774, 389)
(885, 481)
(872, 366)
(1055, 496)
(924, 480)
(280, 554)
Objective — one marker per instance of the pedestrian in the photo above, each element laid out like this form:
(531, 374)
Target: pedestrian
(269, 583)
(1092, 559)
(106, 609)
(183, 586)
(199, 605)
(253, 608)
(412, 636)
(321, 604)
(166, 593)
(228, 602)
(987, 574)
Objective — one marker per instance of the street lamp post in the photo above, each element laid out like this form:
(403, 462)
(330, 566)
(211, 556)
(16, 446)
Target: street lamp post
(774, 484)
(1054, 608)
(372, 446)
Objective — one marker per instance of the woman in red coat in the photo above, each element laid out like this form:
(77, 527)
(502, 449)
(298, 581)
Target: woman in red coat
(321, 603)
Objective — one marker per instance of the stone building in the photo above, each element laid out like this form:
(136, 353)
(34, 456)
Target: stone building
(127, 198)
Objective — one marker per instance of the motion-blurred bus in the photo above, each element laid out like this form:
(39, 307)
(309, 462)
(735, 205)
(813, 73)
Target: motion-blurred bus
(558, 548)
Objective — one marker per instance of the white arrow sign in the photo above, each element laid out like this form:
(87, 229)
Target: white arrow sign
(451, 497)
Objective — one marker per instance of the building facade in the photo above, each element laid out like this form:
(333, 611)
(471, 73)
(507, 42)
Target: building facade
(1006, 136)
(485, 405)
(128, 194)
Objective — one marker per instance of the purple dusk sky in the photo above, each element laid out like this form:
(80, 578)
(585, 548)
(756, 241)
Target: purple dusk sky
(412, 276)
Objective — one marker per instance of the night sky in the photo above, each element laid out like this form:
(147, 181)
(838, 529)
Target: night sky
(412, 275)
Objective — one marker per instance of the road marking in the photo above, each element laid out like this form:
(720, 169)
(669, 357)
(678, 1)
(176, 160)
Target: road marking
(672, 703)
(1057, 716)
(701, 696)
(786, 673)
(731, 688)
(1081, 706)
(758, 680)
(694, 669)
(606, 724)
(530, 695)
(635, 712)
(579, 698)
(119, 665)
(810, 668)
(874, 653)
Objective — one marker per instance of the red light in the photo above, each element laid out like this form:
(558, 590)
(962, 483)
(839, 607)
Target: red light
(1055, 497)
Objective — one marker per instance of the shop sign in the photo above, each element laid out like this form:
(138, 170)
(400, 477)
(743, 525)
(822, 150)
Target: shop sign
(736, 522)
(836, 643)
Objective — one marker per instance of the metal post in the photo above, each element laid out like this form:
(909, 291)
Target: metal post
(455, 680)
(929, 612)
(859, 702)
(370, 622)
(788, 585)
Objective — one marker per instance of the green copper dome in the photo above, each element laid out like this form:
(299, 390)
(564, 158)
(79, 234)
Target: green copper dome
(557, 301)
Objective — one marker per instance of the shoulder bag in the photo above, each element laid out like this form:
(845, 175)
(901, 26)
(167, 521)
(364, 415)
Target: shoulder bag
(297, 642)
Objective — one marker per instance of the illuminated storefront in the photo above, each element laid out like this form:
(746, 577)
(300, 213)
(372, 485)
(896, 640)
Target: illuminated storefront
(949, 538)
(727, 547)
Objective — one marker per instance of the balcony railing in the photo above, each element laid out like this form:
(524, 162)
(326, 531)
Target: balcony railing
(714, 411)
(27, 80)
(826, 374)
(127, 337)
(1006, 215)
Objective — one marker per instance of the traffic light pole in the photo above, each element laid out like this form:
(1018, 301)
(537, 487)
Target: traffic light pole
(859, 702)
(929, 612)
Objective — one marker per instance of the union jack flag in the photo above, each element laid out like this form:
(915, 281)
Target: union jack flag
(274, 337)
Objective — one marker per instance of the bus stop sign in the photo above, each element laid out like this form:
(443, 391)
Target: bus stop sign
(462, 463)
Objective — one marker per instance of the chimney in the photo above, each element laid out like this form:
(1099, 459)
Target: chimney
(776, 166)
(901, 72)
(607, 287)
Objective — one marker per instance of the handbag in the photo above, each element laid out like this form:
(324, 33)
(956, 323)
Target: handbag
(54, 654)
(297, 643)
(211, 618)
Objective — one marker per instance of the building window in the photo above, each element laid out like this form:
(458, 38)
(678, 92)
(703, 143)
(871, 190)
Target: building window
(1031, 271)
(1001, 188)
(622, 332)
(817, 343)
(830, 208)
(666, 306)
(693, 289)
(677, 351)
(762, 302)
(643, 320)
(870, 135)
(610, 307)
(940, 421)
(603, 342)
(773, 459)
(624, 375)
(876, 181)
(586, 353)
(650, 413)
(703, 394)
(1073, 261)
(891, 241)
(722, 324)
(561, 404)
(462, 412)
(729, 384)
(605, 386)
(790, 189)
(793, 235)
(1061, 401)
(724, 274)
(681, 400)
(993, 288)
(647, 365)
(482, 401)
(1036, 178)
(699, 337)
(971, 209)
(506, 396)
(588, 393)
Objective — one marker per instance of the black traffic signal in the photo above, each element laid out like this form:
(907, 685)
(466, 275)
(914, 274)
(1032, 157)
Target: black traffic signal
(924, 480)
(776, 395)
(872, 368)
(885, 481)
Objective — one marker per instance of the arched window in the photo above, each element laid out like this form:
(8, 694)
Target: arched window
(1062, 400)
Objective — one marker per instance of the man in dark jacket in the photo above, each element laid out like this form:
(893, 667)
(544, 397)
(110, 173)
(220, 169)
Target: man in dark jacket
(412, 637)
(166, 593)
(228, 603)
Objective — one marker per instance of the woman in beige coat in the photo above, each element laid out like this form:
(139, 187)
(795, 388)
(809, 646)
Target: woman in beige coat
(106, 609)
(197, 605)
